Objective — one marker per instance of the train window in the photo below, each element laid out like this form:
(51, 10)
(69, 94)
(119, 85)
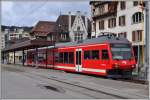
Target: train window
(65, 57)
(61, 57)
(29, 55)
(34, 57)
(87, 55)
(71, 57)
(105, 54)
(95, 54)
(50, 53)
(56, 57)
(41, 56)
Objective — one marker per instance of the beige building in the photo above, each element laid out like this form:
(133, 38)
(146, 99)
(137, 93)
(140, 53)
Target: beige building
(125, 18)
(17, 34)
(2, 40)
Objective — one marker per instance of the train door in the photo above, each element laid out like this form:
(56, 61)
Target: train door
(78, 60)
(105, 58)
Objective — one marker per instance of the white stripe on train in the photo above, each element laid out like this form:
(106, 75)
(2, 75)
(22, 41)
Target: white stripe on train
(94, 70)
(73, 68)
(65, 67)
(85, 69)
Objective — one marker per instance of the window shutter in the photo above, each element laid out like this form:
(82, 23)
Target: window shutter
(119, 21)
(99, 25)
(109, 23)
(140, 34)
(124, 22)
(133, 36)
(125, 34)
(115, 22)
(103, 24)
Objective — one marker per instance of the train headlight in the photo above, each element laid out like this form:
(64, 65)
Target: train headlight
(133, 66)
(115, 66)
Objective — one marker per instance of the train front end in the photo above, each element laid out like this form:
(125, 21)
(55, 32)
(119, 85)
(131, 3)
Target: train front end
(122, 61)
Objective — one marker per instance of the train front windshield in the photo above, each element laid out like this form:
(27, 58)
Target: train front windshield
(121, 51)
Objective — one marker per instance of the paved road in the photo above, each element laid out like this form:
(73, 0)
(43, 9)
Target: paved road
(26, 82)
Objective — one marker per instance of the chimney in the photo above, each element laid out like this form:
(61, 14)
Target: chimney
(69, 21)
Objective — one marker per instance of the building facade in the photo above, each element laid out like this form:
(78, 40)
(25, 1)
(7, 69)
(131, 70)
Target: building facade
(79, 29)
(73, 27)
(125, 18)
(66, 28)
(12, 35)
(43, 30)
(2, 40)
(4, 36)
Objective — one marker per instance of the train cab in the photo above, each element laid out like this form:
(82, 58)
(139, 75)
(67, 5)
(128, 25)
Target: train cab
(122, 60)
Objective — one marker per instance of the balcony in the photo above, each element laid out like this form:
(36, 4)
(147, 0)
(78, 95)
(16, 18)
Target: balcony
(108, 9)
(98, 3)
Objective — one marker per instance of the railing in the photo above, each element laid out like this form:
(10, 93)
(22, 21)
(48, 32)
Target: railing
(111, 10)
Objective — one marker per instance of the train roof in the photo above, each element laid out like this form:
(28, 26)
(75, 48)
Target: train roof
(101, 39)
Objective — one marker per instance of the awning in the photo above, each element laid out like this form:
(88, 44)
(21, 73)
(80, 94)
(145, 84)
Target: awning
(29, 44)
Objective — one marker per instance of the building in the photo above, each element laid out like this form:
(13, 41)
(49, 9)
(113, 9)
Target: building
(12, 35)
(66, 28)
(18, 34)
(4, 36)
(125, 18)
(44, 30)
(73, 27)
(102, 11)
(2, 40)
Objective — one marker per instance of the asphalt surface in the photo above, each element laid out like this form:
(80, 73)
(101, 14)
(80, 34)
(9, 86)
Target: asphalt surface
(20, 82)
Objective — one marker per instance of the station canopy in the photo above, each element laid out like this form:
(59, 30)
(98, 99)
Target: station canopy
(29, 44)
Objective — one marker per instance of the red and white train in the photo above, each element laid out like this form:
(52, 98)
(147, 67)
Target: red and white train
(106, 55)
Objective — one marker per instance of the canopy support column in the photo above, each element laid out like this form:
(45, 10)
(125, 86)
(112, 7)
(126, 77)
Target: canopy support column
(46, 58)
(36, 58)
(14, 57)
(23, 57)
(3, 57)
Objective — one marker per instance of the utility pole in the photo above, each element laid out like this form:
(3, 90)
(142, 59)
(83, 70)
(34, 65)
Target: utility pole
(145, 58)
(147, 31)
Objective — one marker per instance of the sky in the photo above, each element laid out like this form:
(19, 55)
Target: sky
(28, 13)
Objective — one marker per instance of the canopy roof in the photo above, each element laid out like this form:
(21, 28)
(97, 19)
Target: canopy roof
(29, 44)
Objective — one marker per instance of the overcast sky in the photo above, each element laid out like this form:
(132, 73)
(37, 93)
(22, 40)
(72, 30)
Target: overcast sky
(28, 13)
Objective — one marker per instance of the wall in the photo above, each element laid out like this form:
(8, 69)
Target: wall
(129, 27)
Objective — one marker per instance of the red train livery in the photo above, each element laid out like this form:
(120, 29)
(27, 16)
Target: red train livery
(106, 55)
